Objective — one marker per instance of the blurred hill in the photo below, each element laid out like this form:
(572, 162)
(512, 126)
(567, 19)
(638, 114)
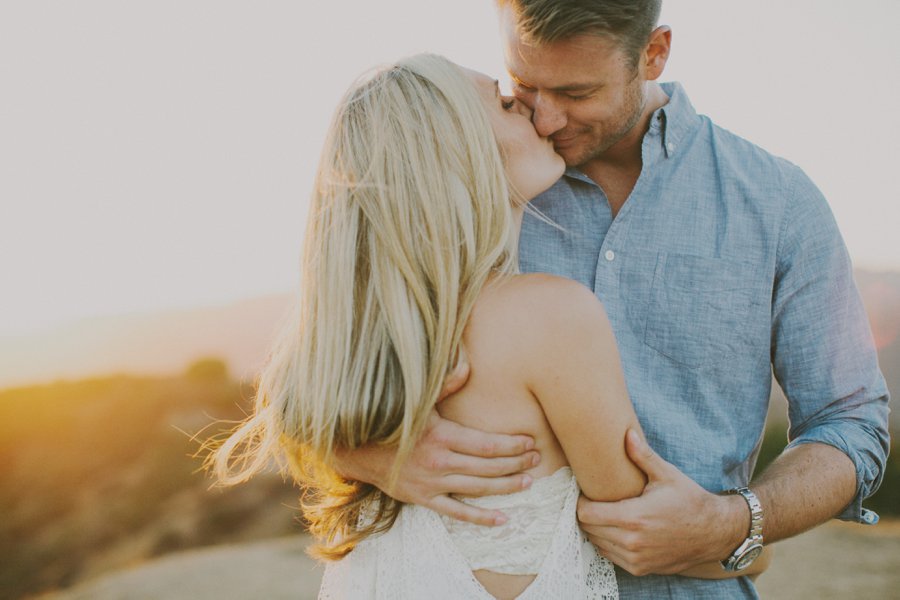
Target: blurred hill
(98, 475)
(98, 482)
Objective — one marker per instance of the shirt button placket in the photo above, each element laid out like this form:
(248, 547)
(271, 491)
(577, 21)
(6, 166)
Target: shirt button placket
(607, 272)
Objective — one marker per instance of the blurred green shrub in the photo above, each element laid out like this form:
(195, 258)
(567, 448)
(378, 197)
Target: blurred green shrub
(208, 369)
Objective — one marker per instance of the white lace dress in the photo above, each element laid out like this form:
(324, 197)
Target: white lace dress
(421, 557)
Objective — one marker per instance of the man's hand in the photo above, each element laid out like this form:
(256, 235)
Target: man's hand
(673, 525)
(449, 459)
(452, 459)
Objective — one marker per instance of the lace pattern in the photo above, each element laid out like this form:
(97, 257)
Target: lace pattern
(517, 547)
(417, 558)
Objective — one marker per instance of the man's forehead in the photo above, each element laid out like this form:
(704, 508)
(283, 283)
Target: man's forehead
(575, 63)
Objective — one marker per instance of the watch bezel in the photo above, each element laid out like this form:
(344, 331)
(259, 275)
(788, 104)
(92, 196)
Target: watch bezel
(746, 558)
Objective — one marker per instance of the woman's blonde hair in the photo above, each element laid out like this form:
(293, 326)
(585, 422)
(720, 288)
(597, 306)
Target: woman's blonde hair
(409, 216)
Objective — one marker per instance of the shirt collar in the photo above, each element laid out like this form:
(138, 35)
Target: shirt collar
(673, 122)
(675, 119)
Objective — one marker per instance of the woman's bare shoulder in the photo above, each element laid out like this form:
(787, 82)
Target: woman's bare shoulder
(544, 299)
(538, 317)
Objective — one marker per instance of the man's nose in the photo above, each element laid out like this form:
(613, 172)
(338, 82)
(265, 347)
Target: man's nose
(547, 116)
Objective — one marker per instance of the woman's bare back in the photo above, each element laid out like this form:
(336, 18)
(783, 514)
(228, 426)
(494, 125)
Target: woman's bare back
(506, 341)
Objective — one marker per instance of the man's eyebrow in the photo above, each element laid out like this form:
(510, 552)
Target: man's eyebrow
(496, 88)
(572, 87)
(577, 87)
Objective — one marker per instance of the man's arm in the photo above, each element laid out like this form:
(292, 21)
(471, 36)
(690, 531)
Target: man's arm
(823, 354)
(448, 459)
(824, 359)
(676, 524)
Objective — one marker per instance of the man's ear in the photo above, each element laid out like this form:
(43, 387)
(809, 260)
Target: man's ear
(657, 52)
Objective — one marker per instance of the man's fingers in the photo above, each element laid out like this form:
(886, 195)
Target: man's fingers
(611, 552)
(620, 555)
(596, 514)
(479, 443)
(466, 485)
(648, 461)
(451, 507)
(500, 466)
(611, 539)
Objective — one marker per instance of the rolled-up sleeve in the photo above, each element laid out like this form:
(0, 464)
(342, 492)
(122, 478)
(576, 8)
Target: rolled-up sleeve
(823, 353)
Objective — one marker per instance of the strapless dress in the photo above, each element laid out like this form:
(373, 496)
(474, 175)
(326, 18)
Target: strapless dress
(425, 555)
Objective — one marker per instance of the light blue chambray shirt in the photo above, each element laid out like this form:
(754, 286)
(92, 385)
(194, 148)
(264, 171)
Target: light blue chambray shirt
(724, 266)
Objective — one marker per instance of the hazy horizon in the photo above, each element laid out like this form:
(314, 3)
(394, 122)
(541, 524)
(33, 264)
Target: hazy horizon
(164, 342)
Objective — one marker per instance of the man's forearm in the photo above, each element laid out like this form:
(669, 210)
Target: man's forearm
(805, 486)
(448, 459)
(676, 525)
(368, 464)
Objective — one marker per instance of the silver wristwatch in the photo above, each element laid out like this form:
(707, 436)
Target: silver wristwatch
(751, 547)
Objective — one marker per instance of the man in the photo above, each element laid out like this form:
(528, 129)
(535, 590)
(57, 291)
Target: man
(717, 265)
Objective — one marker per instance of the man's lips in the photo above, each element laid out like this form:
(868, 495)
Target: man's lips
(563, 140)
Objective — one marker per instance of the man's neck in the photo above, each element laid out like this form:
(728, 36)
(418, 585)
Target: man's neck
(617, 170)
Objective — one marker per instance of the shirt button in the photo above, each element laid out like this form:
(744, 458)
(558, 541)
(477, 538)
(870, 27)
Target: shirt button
(610, 255)
(670, 147)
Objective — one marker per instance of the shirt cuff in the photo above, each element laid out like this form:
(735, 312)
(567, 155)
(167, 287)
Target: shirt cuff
(867, 461)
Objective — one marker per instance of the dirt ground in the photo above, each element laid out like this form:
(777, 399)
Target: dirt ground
(837, 560)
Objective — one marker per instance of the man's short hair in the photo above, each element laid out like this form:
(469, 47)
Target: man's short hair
(628, 22)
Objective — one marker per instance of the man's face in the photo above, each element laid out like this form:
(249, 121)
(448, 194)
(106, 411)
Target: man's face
(584, 92)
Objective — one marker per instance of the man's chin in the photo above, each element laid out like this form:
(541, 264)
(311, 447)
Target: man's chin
(573, 157)
(575, 152)
(577, 156)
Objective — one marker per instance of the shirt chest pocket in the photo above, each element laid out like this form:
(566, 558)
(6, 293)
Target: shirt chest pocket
(700, 309)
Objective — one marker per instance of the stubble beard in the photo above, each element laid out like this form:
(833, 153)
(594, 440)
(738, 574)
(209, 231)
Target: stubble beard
(625, 120)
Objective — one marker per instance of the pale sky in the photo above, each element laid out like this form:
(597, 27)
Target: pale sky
(159, 154)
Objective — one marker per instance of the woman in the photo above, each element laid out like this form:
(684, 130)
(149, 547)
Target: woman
(410, 257)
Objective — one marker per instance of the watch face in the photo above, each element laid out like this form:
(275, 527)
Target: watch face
(748, 557)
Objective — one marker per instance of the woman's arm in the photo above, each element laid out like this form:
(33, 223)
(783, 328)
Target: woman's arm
(578, 380)
(576, 376)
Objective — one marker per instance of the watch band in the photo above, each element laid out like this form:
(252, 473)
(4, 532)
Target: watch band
(751, 547)
(756, 513)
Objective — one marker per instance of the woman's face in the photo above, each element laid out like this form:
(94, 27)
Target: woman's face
(531, 164)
